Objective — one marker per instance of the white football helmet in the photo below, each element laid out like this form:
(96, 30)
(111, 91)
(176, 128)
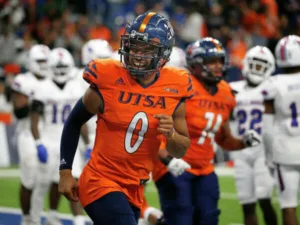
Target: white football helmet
(38, 60)
(95, 48)
(287, 51)
(258, 64)
(177, 58)
(61, 64)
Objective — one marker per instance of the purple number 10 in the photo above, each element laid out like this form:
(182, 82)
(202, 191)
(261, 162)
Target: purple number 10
(293, 107)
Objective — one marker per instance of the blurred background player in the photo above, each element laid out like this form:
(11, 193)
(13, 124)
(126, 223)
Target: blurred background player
(52, 103)
(192, 197)
(135, 101)
(252, 175)
(24, 86)
(282, 98)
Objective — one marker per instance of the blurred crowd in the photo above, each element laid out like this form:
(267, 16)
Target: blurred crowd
(238, 24)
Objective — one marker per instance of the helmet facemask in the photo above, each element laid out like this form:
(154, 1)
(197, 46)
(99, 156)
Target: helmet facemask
(205, 73)
(61, 73)
(141, 56)
(257, 70)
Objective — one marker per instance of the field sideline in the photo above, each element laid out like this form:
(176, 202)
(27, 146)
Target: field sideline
(230, 209)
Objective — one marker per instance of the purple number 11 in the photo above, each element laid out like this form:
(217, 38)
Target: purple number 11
(293, 107)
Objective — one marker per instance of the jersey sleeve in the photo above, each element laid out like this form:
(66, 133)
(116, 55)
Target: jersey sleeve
(268, 88)
(189, 87)
(90, 74)
(22, 85)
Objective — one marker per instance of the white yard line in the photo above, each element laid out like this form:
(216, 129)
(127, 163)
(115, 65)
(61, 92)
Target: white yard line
(18, 212)
(6, 173)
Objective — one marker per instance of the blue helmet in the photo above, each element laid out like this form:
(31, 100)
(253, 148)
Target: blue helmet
(204, 50)
(150, 29)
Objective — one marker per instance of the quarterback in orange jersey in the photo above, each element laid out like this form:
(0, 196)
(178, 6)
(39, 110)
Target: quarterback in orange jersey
(136, 101)
(192, 197)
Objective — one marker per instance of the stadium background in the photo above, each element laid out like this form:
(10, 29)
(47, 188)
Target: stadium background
(238, 24)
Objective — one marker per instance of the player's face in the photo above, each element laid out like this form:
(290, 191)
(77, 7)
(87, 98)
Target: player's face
(140, 55)
(215, 66)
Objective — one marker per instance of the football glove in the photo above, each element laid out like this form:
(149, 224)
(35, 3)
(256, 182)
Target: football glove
(42, 153)
(87, 153)
(178, 166)
(251, 138)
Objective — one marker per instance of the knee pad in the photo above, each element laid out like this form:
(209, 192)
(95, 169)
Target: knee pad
(210, 218)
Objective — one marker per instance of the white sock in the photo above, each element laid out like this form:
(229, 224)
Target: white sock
(53, 214)
(79, 220)
(26, 220)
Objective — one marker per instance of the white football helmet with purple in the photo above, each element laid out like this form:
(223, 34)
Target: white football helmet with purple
(287, 51)
(258, 64)
(38, 60)
(61, 64)
(95, 48)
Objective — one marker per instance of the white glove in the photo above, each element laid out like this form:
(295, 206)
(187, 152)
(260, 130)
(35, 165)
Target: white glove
(251, 138)
(178, 166)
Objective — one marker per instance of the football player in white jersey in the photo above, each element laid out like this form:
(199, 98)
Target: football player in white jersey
(23, 88)
(282, 98)
(52, 102)
(252, 176)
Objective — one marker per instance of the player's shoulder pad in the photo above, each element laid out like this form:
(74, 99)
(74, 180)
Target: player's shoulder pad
(179, 77)
(100, 71)
(237, 86)
(23, 83)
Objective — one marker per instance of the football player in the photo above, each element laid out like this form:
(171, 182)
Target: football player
(24, 86)
(135, 102)
(282, 99)
(192, 197)
(52, 103)
(252, 175)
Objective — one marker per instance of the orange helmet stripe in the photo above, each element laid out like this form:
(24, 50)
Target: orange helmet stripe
(145, 22)
(216, 44)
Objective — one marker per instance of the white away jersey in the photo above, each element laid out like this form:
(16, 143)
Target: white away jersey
(26, 84)
(58, 104)
(285, 91)
(92, 123)
(248, 113)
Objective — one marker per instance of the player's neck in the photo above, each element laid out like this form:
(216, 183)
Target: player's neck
(211, 89)
(60, 85)
(146, 80)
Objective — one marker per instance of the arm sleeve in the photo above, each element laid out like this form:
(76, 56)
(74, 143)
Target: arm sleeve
(71, 132)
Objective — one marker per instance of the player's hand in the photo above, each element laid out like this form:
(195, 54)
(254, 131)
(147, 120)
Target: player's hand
(42, 153)
(165, 124)
(251, 138)
(68, 185)
(178, 166)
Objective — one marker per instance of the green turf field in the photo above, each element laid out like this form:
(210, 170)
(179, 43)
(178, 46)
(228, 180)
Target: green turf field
(230, 209)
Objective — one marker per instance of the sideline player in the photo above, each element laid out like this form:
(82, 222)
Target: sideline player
(192, 197)
(252, 176)
(53, 100)
(23, 88)
(282, 98)
(135, 103)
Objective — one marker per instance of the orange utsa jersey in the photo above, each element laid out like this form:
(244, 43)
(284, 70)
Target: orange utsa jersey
(205, 115)
(127, 139)
(159, 169)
